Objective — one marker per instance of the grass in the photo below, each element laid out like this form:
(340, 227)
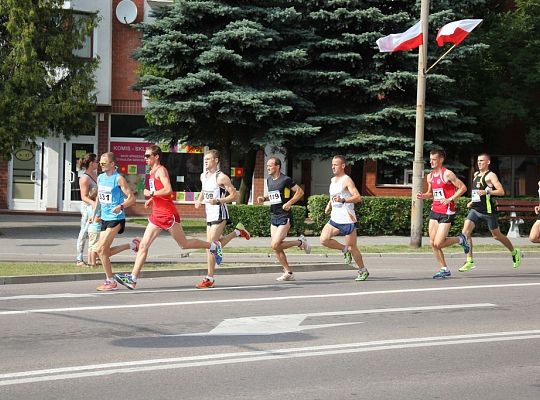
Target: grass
(49, 268)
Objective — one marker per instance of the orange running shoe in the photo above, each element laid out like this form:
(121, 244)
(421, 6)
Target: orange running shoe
(243, 231)
(205, 284)
(107, 286)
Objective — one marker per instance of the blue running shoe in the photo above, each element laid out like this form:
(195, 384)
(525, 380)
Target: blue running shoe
(217, 252)
(464, 243)
(126, 280)
(443, 273)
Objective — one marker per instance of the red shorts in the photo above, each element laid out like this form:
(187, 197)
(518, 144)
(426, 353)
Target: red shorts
(165, 221)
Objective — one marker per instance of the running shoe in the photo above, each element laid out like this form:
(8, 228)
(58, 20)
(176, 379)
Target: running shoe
(126, 280)
(217, 252)
(285, 277)
(243, 231)
(464, 243)
(134, 245)
(467, 266)
(305, 244)
(516, 258)
(362, 274)
(348, 257)
(205, 284)
(107, 286)
(443, 273)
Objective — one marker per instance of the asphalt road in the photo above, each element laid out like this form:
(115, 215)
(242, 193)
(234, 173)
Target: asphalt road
(399, 335)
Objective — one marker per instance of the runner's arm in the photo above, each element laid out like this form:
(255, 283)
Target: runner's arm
(428, 194)
(494, 181)
(224, 181)
(355, 194)
(130, 198)
(461, 188)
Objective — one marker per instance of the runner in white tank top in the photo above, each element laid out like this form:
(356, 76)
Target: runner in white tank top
(343, 196)
(217, 191)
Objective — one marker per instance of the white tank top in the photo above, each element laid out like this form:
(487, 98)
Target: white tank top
(211, 190)
(342, 213)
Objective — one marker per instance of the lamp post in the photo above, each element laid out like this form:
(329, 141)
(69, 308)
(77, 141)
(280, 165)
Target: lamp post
(418, 163)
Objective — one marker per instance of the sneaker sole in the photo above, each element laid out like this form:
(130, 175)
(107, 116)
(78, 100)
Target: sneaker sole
(123, 284)
(465, 270)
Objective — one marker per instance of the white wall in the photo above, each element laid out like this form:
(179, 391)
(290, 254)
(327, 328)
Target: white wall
(102, 46)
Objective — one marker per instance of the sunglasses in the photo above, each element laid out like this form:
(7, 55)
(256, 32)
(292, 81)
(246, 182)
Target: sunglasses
(148, 155)
(103, 163)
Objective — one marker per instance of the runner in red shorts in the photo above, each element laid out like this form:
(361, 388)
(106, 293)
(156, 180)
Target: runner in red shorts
(164, 216)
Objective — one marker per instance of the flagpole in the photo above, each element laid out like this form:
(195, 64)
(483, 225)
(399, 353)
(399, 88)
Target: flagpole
(418, 164)
(441, 57)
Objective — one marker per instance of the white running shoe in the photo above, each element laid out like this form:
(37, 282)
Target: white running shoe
(305, 244)
(285, 277)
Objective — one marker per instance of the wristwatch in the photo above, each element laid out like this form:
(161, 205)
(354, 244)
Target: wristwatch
(152, 193)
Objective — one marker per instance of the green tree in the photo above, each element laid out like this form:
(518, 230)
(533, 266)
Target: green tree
(211, 70)
(365, 101)
(44, 89)
(506, 80)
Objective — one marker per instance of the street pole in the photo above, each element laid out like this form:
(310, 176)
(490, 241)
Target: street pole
(418, 164)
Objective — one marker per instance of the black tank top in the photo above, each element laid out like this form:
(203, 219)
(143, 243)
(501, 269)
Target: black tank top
(484, 204)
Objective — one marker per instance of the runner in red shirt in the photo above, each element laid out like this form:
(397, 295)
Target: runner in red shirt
(164, 216)
(444, 187)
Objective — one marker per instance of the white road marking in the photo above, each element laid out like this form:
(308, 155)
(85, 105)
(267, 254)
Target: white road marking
(260, 299)
(129, 292)
(288, 323)
(86, 371)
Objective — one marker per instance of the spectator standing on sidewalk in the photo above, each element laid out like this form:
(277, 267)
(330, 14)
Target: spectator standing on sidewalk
(87, 181)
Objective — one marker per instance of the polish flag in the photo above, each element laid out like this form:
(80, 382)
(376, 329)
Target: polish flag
(456, 31)
(408, 40)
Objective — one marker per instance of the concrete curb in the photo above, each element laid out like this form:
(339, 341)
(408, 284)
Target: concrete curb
(264, 267)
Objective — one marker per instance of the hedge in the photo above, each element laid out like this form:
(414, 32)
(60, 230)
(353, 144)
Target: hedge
(388, 216)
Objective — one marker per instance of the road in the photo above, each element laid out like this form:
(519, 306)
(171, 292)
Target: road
(399, 335)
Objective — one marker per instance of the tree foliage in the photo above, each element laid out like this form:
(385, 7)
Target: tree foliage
(44, 89)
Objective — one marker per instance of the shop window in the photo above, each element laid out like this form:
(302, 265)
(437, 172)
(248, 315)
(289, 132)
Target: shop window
(519, 175)
(390, 174)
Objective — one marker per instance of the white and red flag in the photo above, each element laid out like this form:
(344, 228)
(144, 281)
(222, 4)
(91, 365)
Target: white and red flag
(456, 31)
(408, 40)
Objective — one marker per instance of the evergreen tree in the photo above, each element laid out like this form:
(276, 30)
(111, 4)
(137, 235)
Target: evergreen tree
(365, 101)
(44, 89)
(211, 71)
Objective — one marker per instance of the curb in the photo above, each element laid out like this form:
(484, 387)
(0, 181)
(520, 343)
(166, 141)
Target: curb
(330, 265)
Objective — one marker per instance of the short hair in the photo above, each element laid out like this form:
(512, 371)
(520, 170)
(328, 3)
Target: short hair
(277, 161)
(110, 156)
(156, 150)
(87, 159)
(213, 152)
(340, 157)
(92, 193)
(440, 152)
(485, 155)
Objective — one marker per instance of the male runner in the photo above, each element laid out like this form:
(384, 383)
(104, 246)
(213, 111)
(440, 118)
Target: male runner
(343, 196)
(217, 191)
(534, 235)
(444, 187)
(485, 185)
(279, 195)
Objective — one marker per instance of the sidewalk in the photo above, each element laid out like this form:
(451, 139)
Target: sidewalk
(52, 238)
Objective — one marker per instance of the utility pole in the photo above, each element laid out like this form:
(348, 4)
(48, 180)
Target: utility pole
(418, 164)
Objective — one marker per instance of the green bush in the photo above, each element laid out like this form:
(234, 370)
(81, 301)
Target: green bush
(387, 216)
(256, 219)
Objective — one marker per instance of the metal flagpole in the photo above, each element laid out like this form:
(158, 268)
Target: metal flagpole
(418, 164)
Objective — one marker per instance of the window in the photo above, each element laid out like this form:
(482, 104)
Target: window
(87, 49)
(519, 175)
(126, 125)
(389, 174)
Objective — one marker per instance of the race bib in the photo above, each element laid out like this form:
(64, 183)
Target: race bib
(105, 194)
(274, 197)
(438, 194)
(207, 195)
(475, 197)
(151, 185)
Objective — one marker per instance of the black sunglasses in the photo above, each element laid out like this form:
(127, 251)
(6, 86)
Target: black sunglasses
(148, 155)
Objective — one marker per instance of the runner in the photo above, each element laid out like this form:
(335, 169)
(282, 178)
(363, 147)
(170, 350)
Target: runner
(485, 185)
(87, 181)
(217, 191)
(114, 196)
(279, 195)
(444, 187)
(343, 196)
(534, 235)
(164, 216)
